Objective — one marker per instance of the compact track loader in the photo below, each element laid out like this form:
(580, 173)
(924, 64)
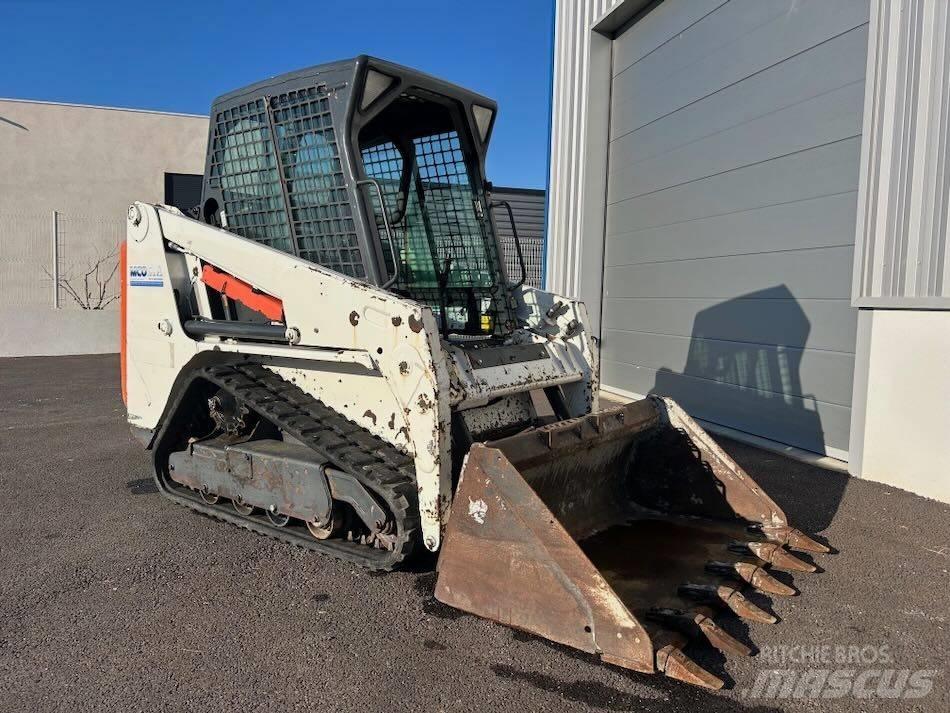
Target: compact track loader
(329, 351)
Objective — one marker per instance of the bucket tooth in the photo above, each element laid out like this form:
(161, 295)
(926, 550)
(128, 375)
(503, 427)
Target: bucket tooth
(731, 597)
(735, 600)
(700, 621)
(721, 639)
(778, 557)
(795, 539)
(753, 574)
(672, 662)
(763, 581)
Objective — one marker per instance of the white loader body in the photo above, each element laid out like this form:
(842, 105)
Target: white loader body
(368, 354)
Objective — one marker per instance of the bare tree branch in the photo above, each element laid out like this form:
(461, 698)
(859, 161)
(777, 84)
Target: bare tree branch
(86, 295)
(104, 286)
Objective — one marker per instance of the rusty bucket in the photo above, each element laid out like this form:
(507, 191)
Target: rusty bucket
(621, 533)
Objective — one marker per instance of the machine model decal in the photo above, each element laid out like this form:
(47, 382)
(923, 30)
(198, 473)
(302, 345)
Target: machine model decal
(145, 276)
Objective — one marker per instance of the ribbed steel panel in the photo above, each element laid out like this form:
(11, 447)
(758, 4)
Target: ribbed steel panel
(902, 258)
(573, 23)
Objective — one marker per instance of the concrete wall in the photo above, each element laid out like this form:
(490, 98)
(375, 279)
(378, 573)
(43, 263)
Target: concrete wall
(43, 331)
(907, 413)
(87, 164)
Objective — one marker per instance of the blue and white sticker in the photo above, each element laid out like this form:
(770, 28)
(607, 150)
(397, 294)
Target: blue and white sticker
(145, 276)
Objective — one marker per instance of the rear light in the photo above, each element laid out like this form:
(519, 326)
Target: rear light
(483, 120)
(374, 87)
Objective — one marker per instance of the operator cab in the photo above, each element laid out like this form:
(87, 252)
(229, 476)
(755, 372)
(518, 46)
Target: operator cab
(373, 170)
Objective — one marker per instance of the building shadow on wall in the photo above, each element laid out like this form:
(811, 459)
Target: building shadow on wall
(757, 389)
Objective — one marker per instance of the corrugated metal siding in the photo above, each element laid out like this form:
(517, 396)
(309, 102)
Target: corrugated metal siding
(574, 20)
(528, 208)
(735, 135)
(902, 259)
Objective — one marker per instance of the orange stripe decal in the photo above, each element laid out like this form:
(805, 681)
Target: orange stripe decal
(242, 292)
(123, 309)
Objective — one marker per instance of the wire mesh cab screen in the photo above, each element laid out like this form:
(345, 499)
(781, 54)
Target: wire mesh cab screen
(447, 253)
(244, 167)
(310, 214)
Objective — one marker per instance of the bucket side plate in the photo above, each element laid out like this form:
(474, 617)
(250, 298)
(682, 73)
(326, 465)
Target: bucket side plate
(507, 558)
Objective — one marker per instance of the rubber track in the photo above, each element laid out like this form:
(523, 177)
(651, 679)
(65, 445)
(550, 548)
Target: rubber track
(387, 473)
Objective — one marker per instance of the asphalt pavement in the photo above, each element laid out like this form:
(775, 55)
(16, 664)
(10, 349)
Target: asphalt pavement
(113, 598)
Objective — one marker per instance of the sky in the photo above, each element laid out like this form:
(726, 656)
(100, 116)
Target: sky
(181, 55)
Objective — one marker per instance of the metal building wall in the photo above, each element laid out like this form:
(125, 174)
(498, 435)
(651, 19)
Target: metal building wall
(905, 191)
(735, 144)
(571, 164)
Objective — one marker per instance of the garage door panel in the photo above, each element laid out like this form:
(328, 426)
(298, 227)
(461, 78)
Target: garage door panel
(803, 423)
(817, 222)
(829, 117)
(786, 84)
(734, 156)
(830, 324)
(720, 28)
(660, 25)
(703, 67)
(782, 370)
(821, 171)
(803, 273)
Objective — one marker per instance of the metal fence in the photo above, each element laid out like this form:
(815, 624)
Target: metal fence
(532, 247)
(60, 260)
(527, 208)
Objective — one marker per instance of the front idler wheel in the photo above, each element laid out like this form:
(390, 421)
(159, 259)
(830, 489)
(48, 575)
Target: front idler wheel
(323, 531)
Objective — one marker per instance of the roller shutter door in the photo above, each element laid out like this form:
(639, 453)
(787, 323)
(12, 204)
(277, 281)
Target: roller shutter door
(735, 132)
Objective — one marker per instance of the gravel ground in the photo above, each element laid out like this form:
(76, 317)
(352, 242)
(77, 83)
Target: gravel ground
(113, 598)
